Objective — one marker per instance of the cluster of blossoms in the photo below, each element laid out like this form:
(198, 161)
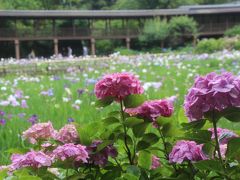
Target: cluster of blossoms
(153, 109)
(70, 150)
(31, 159)
(210, 93)
(186, 151)
(118, 86)
(40, 131)
(224, 135)
(68, 134)
(101, 157)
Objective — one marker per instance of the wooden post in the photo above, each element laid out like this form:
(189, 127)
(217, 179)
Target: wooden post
(55, 41)
(93, 49)
(17, 48)
(54, 27)
(128, 40)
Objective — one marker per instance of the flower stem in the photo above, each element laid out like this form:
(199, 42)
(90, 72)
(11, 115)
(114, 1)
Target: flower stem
(216, 140)
(128, 151)
(164, 143)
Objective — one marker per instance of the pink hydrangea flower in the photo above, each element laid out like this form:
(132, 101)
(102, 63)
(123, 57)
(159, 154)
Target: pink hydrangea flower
(223, 150)
(155, 162)
(76, 152)
(152, 109)
(68, 134)
(212, 92)
(186, 150)
(224, 135)
(118, 86)
(39, 131)
(31, 159)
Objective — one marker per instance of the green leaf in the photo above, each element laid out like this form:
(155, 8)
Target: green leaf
(29, 178)
(111, 174)
(140, 129)
(194, 124)
(104, 102)
(212, 165)
(141, 145)
(103, 145)
(88, 132)
(134, 100)
(233, 148)
(121, 136)
(201, 136)
(3, 173)
(145, 159)
(169, 130)
(162, 120)
(232, 114)
(133, 121)
(128, 176)
(151, 138)
(134, 170)
(110, 120)
(209, 148)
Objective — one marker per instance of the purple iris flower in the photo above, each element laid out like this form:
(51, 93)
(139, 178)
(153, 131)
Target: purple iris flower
(70, 120)
(2, 122)
(33, 119)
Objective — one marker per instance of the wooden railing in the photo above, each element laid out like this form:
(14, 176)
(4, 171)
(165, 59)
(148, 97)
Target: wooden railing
(113, 33)
(68, 33)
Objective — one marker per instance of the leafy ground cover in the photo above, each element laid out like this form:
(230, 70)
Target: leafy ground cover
(67, 97)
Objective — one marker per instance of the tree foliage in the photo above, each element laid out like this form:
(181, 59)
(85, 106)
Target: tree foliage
(155, 30)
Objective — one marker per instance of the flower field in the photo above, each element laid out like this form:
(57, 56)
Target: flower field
(69, 98)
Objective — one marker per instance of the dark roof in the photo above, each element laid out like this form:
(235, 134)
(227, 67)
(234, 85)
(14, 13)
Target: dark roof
(97, 14)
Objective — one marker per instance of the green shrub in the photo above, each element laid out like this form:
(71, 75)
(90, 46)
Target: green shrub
(155, 30)
(209, 45)
(180, 26)
(233, 31)
(125, 51)
(104, 47)
(237, 45)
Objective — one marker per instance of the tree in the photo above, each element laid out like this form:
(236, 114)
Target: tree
(155, 30)
(182, 26)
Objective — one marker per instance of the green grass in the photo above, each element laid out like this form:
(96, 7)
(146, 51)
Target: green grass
(176, 78)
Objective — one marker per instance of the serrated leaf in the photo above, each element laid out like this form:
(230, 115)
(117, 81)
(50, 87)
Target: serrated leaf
(103, 145)
(133, 100)
(104, 102)
(133, 121)
(212, 165)
(233, 148)
(194, 125)
(232, 114)
(141, 145)
(134, 170)
(140, 129)
(110, 120)
(200, 136)
(151, 138)
(162, 121)
(145, 159)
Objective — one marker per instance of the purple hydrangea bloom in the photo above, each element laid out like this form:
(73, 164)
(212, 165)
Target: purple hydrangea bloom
(101, 158)
(186, 151)
(212, 92)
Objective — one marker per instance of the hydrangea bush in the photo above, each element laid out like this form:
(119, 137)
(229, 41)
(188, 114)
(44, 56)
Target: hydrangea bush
(139, 140)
